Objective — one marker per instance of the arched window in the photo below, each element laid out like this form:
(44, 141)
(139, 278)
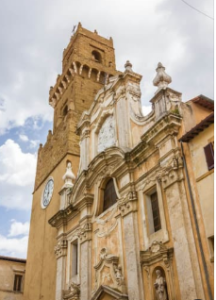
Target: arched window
(110, 196)
(96, 56)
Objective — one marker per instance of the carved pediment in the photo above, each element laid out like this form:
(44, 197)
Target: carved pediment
(157, 252)
(107, 293)
(109, 272)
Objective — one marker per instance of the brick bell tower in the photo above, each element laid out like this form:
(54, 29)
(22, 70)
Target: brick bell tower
(88, 62)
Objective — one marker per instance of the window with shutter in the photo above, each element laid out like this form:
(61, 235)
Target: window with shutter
(209, 154)
(17, 283)
(110, 196)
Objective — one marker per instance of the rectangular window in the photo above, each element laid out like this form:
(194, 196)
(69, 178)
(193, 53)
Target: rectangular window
(74, 258)
(17, 283)
(155, 212)
(209, 154)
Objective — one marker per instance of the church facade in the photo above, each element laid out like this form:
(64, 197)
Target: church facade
(112, 213)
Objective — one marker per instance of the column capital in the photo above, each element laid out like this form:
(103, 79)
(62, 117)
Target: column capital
(61, 248)
(128, 204)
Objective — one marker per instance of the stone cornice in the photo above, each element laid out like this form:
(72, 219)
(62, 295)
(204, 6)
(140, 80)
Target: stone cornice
(85, 201)
(61, 217)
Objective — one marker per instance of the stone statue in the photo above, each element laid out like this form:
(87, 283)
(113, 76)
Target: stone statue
(160, 286)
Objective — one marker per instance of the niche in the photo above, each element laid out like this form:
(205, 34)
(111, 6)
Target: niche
(159, 284)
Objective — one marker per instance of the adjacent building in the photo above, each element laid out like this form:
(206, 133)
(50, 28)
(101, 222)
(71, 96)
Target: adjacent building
(119, 207)
(12, 274)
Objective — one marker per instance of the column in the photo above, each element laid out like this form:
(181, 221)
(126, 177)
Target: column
(128, 208)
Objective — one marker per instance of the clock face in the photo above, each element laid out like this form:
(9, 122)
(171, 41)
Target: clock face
(47, 194)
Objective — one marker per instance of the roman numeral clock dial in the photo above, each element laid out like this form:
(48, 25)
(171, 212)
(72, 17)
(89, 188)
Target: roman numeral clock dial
(47, 193)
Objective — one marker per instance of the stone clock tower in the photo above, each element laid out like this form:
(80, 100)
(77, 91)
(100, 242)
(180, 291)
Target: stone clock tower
(88, 62)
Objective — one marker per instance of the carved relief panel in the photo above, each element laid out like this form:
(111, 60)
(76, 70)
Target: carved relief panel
(106, 135)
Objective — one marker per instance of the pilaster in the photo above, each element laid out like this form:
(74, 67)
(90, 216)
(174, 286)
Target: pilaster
(61, 252)
(184, 250)
(128, 208)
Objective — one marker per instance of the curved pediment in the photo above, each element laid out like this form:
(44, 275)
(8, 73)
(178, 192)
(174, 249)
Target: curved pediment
(107, 293)
(103, 165)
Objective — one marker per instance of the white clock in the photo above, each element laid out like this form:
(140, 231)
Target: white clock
(47, 194)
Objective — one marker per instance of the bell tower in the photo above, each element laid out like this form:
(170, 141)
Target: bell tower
(88, 62)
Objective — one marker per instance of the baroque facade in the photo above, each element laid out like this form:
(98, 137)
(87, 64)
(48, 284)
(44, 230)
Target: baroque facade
(112, 213)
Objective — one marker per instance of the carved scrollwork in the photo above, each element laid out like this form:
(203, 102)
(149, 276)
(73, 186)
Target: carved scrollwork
(73, 292)
(128, 204)
(61, 248)
(84, 232)
(157, 252)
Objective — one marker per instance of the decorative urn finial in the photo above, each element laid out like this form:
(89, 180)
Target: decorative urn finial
(128, 66)
(68, 176)
(162, 79)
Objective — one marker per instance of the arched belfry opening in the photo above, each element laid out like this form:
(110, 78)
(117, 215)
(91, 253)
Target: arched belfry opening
(96, 56)
(65, 110)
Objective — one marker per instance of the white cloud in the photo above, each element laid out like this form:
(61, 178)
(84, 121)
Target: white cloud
(16, 242)
(18, 228)
(34, 143)
(162, 30)
(14, 247)
(17, 174)
(23, 137)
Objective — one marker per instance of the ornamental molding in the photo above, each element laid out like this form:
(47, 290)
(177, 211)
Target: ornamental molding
(61, 248)
(109, 271)
(167, 175)
(168, 124)
(61, 217)
(84, 232)
(85, 134)
(157, 252)
(107, 134)
(128, 204)
(107, 224)
(103, 289)
(73, 292)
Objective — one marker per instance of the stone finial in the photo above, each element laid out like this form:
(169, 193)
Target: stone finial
(162, 79)
(68, 176)
(128, 66)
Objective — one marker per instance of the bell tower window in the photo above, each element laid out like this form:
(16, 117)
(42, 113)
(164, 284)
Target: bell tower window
(96, 56)
(110, 196)
(65, 110)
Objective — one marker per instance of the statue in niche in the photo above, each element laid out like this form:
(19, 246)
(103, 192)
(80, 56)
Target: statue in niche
(160, 286)
(106, 136)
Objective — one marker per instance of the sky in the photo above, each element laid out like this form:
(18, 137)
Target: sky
(33, 35)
